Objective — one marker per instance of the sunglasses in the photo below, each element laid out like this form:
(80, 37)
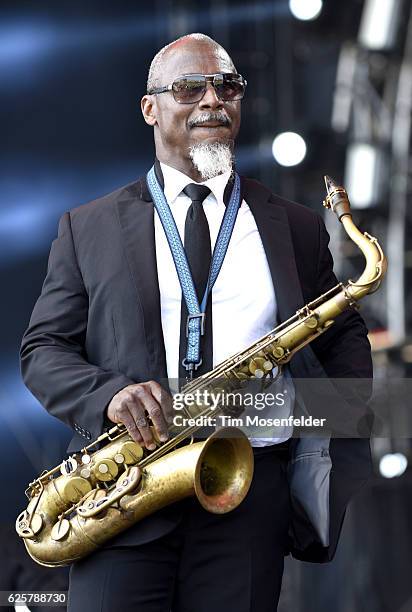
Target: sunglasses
(191, 88)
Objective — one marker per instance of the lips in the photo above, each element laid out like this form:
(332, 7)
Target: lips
(210, 121)
(210, 124)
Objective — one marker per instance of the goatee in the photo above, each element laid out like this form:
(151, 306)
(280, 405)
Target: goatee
(211, 159)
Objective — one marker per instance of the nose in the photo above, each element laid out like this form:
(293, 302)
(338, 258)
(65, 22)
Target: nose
(210, 98)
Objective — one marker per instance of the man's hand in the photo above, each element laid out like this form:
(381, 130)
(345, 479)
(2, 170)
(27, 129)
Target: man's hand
(134, 403)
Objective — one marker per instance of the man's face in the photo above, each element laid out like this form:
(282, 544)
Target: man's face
(175, 124)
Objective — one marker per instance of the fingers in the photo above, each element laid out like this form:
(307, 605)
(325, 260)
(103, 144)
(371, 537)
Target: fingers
(135, 404)
(126, 418)
(164, 399)
(141, 423)
(153, 407)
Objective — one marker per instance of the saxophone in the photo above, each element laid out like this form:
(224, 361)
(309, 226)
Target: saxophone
(113, 483)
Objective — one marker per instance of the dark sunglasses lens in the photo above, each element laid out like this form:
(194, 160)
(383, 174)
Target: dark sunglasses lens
(187, 90)
(230, 89)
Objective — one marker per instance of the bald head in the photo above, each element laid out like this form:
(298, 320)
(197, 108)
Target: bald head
(184, 45)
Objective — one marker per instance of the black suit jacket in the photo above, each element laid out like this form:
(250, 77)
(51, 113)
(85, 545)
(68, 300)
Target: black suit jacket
(96, 328)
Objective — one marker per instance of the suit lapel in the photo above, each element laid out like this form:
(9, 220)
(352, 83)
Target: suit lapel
(273, 225)
(136, 216)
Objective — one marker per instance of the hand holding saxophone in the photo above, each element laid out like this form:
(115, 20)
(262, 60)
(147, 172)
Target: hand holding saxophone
(134, 403)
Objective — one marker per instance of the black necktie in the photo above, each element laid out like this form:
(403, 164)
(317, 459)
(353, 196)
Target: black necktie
(198, 253)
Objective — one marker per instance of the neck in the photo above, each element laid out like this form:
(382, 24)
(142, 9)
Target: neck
(183, 165)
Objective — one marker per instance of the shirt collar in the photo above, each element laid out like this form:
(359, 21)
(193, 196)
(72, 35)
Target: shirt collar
(175, 181)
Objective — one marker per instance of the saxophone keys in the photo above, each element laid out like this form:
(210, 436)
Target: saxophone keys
(265, 368)
(22, 525)
(68, 466)
(92, 504)
(74, 488)
(36, 523)
(311, 322)
(239, 378)
(256, 366)
(60, 530)
(105, 470)
(131, 451)
(278, 352)
(27, 526)
(156, 438)
(242, 376)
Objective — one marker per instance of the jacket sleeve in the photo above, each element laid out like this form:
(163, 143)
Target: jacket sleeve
(54, 362)
(344, 350)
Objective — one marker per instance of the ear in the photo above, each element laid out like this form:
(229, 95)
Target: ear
(148, 106)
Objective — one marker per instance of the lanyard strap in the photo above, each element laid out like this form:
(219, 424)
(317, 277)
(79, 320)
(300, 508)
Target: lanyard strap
(195, 319)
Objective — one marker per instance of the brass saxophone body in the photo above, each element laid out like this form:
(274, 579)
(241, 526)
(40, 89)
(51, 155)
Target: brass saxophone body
(96, 494)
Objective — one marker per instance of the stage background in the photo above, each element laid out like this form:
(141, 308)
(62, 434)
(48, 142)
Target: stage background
(71, 78)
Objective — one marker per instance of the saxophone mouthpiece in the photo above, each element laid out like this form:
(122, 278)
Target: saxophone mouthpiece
(336, 198)
(330, 184)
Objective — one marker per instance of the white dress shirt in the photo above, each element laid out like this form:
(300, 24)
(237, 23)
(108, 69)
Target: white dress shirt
(243, 298)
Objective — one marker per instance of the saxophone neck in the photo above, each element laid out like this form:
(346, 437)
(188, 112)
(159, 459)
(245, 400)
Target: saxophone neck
(375, 261)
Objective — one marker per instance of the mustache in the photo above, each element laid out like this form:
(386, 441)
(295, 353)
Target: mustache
(220, 118)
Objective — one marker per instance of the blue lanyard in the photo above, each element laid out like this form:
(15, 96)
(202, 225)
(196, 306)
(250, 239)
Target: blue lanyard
(196, 318)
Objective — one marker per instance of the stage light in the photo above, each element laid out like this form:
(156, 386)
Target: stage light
(393, 465)
(306, 10)
(288, 149)
(363, 174)
(379, 24)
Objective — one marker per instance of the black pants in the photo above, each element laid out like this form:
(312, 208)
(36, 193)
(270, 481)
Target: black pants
(208, 563)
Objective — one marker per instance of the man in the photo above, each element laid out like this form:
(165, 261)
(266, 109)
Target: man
(105, 333)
